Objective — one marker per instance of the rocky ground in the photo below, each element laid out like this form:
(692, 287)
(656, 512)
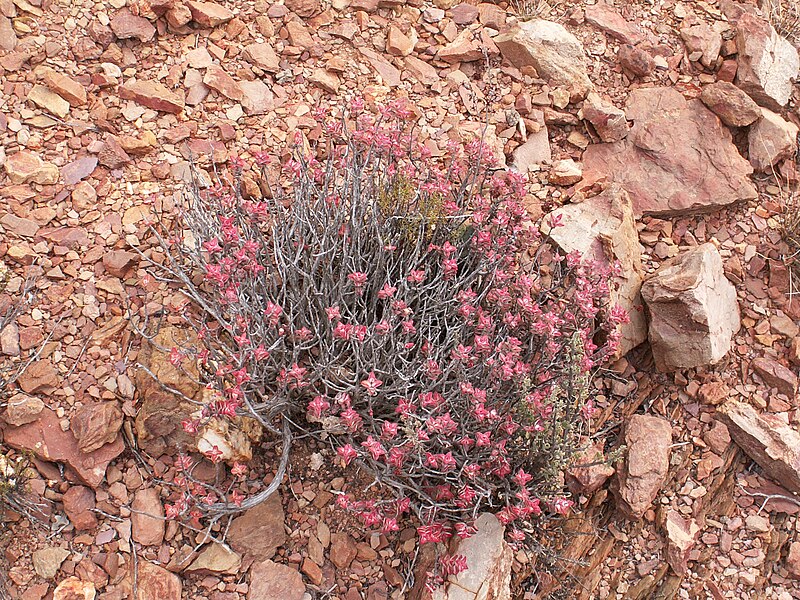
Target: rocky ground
(664, 133)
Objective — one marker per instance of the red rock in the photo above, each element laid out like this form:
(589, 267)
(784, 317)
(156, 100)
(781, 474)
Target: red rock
(126, 25)
(209, 14)
(147, 518)
(112, 154)
(8, 37)
(326, 80)
(771, 139)
(153, 583)
(767, 439)
(40, 377)
(609, 20)
(708, 175)
(465, 48)
(387, 71)
(776, 375)
(262, 56)
(25, 167)
(343, 550)
(304, 8)
(464, 14)
(257, 97)
(423, 72)
(79, 502)
(73, 588)
(19, 226)
(647, 440)
(729, 103)
(398, 43)
(703, 40)
(96, 424)
(78, 169)
(45, 438)
(272, 581)
(312, 571)
(69, 89)
(767, 63)
(152, 95)
(119, 262)
(609, 122)
(635, 61)
(22, 409)
(260, 530)
(178, 16)
(589, 471)
(792, 563)
(693, 309)
(682, 534)
(217, 79)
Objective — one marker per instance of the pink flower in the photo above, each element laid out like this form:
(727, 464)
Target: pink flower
(371, 384)
(318, 406)
(176, 356)
(431, 533)
(374, 447)
(383, 327)
(333, 313)
(238, 469)
(351, 419)
(388, 430)
(358, 278)
(387, 291)
(416, 276)
(522, 478)
(347, 453)
(408, 327)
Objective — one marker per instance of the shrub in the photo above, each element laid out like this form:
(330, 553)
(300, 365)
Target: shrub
(405, 310)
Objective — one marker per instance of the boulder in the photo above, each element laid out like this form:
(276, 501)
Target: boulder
(259, 530)
(767, 63)
(608, 121)
(770, 140)
(647, 441)
(603, 229)
(768, 440)
(677, 158)
(693, 310)
(556, 54)
(272, 581)
(729, 103)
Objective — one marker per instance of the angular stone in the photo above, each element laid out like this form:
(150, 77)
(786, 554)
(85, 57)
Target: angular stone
(635, 61)
(260, 530)
(209, 14)
(112, 154)
(22, 409)
(45, 438)
(48, 100)
(703, 40)
(533, 152)
(325, 79)
(96, 424)
(693, 310)
(682, 534)
(26, 167)
(79, 502)
(589, 470)
(398, 43)
(609, 122)
(84, 196)
(770, 140)
(8, 37)
(126, 25)
(548, 47)
(262, 56)
(47, 561)
(707, 174)
(147, 518)
(178, 16)
(273, 581)
(73, 588)
(775, 375)
(388, 73)
(647, 441)
(153, 95)
(565, 172)
(767, 439)
(19, 226)
(40, 377)
(119, 262)
(767, 63)
(257, 97)
(217, 79)
(78, 169)
(423, 72)
(792, 563)
(9, 340)
(153, 583)
(343, 550)
(69, 89)
(489, 560)
(729, 103)
(609, 20)
(602, 229)
(215, 558)
(304, 8)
